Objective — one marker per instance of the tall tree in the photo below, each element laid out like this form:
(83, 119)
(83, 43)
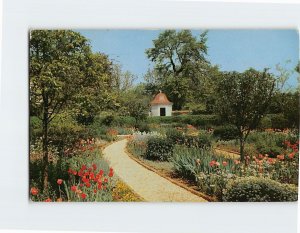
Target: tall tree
(95, 94)
(58, 60)
(243, 99)
(178, 58)
(122, 80)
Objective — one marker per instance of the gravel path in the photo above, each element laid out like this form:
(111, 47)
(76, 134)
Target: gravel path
(145, 183)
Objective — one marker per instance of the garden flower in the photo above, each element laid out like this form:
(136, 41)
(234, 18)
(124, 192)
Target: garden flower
(224, 163)
(217, 164)
(48, 200)
(94, 166)
(111, 172)
(271, 161)
(280, 157)
(88, 185)
(59, 200)
(83, 195)
(74, 188)
(291, 155)
(260, 156)
(83, 167)
(198, 161)
(34, 191)
(80, 173)
(237, 162)
(105, 180)
(101, 172)
(59, 181)
(212, 163)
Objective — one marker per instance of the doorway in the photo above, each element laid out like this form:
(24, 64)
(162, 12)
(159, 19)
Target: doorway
(162, 111)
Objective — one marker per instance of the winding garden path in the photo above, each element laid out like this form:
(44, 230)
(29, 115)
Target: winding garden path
(149, 185)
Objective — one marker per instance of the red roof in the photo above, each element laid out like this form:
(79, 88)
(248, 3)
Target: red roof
(160, 98)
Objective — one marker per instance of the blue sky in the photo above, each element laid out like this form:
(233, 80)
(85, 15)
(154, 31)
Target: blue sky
(229, 49)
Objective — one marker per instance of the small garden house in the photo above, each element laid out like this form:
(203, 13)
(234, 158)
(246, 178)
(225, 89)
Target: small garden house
(160, 105)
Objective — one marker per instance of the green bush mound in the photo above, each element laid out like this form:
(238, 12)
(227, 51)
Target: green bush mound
(226, 132)
(175, 136)
(64, 131)
(159, 149)
(203, 140)
(279, 121)
(258, 189)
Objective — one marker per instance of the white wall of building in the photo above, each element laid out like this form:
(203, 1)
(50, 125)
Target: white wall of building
(155, 110)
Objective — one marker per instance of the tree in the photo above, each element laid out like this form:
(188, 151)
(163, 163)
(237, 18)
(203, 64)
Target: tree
(95, 94)
(243, 99)
(122, 81)
(179, 57)
(58, 60)
(135, 103)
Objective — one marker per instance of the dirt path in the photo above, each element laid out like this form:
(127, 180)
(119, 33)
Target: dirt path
(226, 154)
(145, 183)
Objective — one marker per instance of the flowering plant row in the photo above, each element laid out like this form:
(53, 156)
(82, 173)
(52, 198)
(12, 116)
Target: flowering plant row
(85, 184)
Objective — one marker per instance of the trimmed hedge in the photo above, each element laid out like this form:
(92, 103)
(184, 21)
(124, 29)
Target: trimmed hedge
(205, 121)
(159, 149)
(258, 189)
(226, 132)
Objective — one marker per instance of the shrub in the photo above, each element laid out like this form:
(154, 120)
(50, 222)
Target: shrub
(64, 131)
(159, 149)
(175, 136)
(279, 121)
(35, 128)
(213, 184)
(226, 132)
(204, 140)
(271, 150)
(257, 189)
(108, 120)
(265, 123)
(143, 127)
(204, 121)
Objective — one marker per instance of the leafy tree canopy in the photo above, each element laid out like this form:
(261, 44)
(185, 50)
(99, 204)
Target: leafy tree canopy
(180, 62)
(243, 99)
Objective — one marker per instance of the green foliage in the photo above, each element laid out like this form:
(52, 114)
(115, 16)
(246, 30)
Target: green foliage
(108, 120)
(265, 123)
(203, 121)
(159, 149)
(188, 162)
(143, 127)
(64, 131)
(35, 128)
(268, 143)
(213, 184)
(179, 59)
(175, 136)
(279, 121)
(243, 99)
(257, 189)
(226, 132)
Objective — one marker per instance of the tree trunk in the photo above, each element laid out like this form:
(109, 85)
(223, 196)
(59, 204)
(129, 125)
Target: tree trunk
(45, 144)
(242, 145)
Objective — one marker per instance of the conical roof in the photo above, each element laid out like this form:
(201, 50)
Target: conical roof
(161, 98)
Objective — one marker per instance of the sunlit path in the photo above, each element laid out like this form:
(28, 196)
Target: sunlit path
(145, 183)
